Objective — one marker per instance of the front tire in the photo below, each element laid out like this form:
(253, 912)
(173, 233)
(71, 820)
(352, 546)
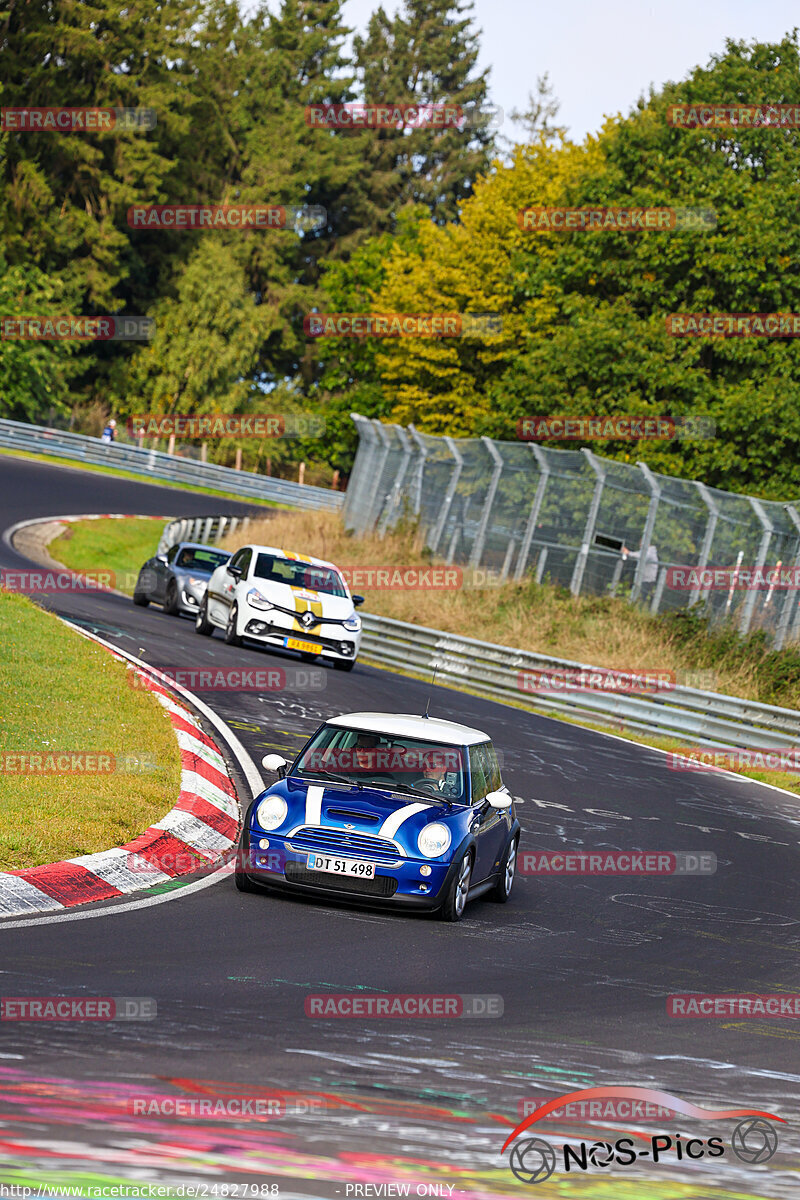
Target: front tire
(139, 597)
(171, 602)
(456, 899)
(202, 623)
(232, 638)
(501, 891)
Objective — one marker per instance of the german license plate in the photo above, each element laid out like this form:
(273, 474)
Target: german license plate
(341, 866)
(297, 644)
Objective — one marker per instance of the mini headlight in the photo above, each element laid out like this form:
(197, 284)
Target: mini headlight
(353, 623)
(433, 840)
(255, 598)
(271, 812)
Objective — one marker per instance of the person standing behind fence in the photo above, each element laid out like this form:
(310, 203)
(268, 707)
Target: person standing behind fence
(650, 571)
(109, 434)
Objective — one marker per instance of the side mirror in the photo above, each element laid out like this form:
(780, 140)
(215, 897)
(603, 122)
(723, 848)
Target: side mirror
(162, 558)
(275, 762)
(357, 600)
(498, 799)
(235, 571)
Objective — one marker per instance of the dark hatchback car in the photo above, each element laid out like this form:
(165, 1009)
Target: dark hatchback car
(178, 579)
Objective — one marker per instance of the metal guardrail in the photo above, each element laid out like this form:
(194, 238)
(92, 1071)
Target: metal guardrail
(699, 717)
(199, 529)
(156, 465)
(689, 714)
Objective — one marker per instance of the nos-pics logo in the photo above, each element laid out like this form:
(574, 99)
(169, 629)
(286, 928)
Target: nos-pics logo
(534, 1160)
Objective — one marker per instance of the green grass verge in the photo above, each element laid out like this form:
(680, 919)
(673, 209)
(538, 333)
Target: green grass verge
(179, 487)
(119, 546)
(64, 693)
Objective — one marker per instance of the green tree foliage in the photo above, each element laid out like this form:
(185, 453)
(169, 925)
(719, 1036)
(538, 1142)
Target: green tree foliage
(585, 312)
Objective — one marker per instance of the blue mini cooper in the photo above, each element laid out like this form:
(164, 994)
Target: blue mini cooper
(398, 811)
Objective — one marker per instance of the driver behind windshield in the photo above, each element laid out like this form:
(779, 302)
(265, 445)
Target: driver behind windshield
(439, 773)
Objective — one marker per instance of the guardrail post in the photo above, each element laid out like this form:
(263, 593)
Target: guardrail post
(768, 530)
(458, 466)
(480, 536)
(397, 487)
(591, 521)
(708, 537)
(533, 515)
(791, 600)
(649, 526)
(207, 529)
(420, 469)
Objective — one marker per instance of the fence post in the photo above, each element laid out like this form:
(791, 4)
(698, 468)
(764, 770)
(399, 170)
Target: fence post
(423, 454)
(361, 474)
(708, 537)
(480, 536)
(588, 532)
(649, 526)
(768, 530)
(393, 502)
(458, 465)
(533, 515)
(790, 601)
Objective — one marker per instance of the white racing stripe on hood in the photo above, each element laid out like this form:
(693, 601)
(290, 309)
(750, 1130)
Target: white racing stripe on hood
(391, 825)
(314, 804)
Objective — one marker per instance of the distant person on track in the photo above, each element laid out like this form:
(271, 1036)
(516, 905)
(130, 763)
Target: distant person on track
(109, 434)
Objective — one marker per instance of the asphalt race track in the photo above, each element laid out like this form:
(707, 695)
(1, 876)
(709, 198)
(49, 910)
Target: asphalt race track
(583, 965)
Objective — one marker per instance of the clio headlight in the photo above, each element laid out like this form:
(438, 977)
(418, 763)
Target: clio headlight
(255, 598)
(353, 623)
(271, 812)
(433, 840)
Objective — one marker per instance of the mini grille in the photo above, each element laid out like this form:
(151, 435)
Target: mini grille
(381, 885)
(344, 842)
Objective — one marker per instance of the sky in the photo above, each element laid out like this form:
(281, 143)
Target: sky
(602, 55)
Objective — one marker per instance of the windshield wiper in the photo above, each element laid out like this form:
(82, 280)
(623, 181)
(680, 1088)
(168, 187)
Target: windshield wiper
(338, 778)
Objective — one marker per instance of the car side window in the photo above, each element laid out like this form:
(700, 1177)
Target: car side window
(244, 562)
(491, 766)
(238, 559)
(172, 552)
(477, 774)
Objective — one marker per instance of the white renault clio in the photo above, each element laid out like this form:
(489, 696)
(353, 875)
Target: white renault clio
(282, 599)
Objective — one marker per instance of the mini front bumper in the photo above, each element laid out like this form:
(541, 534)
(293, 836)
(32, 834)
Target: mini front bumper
(397, 881)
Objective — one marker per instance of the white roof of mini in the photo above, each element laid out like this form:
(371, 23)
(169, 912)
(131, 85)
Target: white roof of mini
(430, 729)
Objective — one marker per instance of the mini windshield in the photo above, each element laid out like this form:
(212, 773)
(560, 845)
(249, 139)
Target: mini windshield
(426, 770)
(299, 574)
(201, 560)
